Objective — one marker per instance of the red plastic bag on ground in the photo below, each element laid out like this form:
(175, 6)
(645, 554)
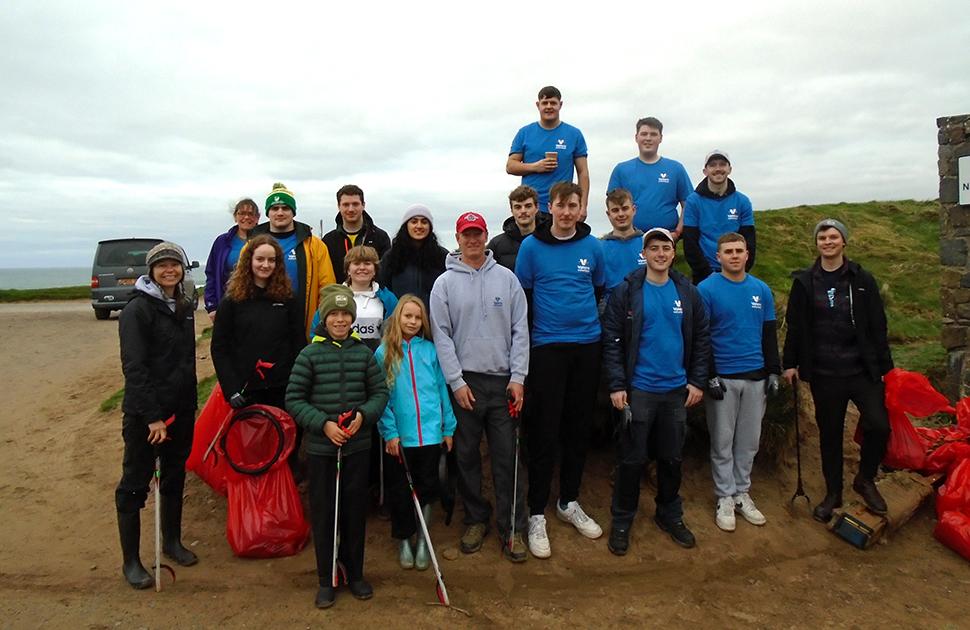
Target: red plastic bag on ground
(213, 469)
(954, 495)
(265, 516)
(953, 530)
(963, 413)
(947, 456)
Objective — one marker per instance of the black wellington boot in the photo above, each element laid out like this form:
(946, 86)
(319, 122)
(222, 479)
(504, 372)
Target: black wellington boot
(172, 532)
(129, 530)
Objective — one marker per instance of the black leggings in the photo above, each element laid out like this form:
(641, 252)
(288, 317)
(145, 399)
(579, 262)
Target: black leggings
(138, 462)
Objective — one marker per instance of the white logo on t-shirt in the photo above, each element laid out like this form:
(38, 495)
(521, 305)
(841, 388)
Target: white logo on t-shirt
(678, 310)
(561, 143)
(663, 179)
(583, 266)
(733, 214)
(756, 302)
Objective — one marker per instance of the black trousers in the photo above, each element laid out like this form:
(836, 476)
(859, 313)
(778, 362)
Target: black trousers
(831, 396)
(322, 475)
(563, 378)
(423, 463)
(138, 461)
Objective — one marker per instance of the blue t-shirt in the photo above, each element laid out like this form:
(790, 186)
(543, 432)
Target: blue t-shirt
(289, 245)
(622, 257)
(737, 312)
(235, 248)
(562, 278)
(660, 358)
(715, 217)
(656, 190)
(533, 142)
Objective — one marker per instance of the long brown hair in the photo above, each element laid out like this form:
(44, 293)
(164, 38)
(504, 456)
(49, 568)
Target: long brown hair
(393, 337)
(241, 283)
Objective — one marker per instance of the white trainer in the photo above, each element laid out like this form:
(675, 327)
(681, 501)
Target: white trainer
(579, 519)
(724, 516)
(749, 511)
(538, 539)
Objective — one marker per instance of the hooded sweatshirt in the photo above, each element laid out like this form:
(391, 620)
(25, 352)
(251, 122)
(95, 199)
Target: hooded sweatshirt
(562, 279)
(479, 318)
(505, 246)
(707, 216)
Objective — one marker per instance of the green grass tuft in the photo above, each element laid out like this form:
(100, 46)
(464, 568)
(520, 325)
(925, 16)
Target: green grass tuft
(36, 295)
(111, 402)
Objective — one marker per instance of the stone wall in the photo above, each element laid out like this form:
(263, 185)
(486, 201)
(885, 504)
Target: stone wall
(954, 141)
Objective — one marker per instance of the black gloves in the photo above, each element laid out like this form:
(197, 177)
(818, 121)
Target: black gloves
(236, 401)
(715, 388)
(771, 385)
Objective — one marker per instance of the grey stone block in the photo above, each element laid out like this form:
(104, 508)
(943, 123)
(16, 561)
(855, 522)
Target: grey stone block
(953, 252)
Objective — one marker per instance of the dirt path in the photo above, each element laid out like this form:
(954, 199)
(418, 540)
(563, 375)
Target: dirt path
(60, 563)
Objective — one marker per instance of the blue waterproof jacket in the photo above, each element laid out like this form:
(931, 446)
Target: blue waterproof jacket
(419, 411)
(217, 269)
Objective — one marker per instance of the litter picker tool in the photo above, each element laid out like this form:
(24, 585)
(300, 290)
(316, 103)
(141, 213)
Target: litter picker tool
(440, 589)
(157, 480)
(258, 370)
(343, 421)
(800, 490)
(514, 414)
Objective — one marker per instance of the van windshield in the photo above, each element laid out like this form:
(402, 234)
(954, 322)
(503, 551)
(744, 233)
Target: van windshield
(127, 253)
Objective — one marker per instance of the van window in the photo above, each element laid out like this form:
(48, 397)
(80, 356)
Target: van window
(127, 253)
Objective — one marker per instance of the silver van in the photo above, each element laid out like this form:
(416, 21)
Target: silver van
(118, 262)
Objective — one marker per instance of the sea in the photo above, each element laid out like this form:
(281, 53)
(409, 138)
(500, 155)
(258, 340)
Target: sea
(49, 277)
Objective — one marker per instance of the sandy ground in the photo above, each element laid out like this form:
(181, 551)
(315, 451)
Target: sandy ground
(60, 561)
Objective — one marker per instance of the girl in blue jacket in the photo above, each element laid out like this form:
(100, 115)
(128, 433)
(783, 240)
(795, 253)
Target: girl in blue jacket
(417, 422)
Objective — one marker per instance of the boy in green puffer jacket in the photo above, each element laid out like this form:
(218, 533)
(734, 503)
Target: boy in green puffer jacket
(334, 375)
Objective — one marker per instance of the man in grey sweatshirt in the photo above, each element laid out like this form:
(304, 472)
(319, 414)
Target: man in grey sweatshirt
(479, 320)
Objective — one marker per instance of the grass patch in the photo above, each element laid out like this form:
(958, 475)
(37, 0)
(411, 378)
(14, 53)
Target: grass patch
(36, 295)
(206, 333)
(204, 388)
(111, 402)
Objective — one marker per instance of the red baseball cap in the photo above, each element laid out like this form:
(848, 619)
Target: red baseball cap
(470, 220)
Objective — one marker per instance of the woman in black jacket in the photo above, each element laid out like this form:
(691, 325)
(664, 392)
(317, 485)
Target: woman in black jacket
(257, 324)
(157, 331)
(415, 259)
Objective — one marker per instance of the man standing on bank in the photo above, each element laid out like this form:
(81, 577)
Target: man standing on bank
(545, 152)
(744, 344)
(562, 270)
(479, 321)
(354, 227)
(656, 348)
(837, 342)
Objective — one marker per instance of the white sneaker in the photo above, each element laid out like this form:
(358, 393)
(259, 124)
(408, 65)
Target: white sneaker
(575, 515)
(724, 516)
(538, 539)
(749, 511)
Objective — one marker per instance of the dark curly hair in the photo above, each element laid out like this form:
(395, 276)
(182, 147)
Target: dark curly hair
(427, 254)
(241, 284)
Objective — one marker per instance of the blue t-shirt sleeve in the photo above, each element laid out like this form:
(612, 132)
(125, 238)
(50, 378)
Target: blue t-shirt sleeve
(518, 142)
(580, 150)
(769, 302)
(599, 271)
(690, 212)
(705, 293)
(616, 180)
(684, 188)
(746, 212)
(523, 266)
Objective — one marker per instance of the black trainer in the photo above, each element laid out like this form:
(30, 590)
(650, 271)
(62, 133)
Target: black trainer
(619, 541)
(823, 511)
(325, 597)
(361, 589)
(678, 531)
(870, 495)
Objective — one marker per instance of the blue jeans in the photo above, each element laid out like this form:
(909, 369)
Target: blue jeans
(666, 415)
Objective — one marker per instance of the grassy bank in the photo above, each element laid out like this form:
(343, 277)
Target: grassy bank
(37, 295)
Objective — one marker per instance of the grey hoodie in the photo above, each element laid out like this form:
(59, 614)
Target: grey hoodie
(147, 285)
(479, 321)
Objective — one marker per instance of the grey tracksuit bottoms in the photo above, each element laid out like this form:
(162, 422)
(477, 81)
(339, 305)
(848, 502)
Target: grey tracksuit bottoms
(735, 428)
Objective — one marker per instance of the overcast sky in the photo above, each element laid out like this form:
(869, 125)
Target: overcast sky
(150, 119)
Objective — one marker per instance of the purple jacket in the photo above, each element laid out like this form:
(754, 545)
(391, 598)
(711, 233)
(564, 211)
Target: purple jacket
(217, 270)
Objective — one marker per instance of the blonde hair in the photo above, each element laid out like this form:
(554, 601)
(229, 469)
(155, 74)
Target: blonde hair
(394, 337)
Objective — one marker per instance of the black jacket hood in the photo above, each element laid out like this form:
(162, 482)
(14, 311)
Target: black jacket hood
(302, 230)
(511, 228)
(368, 221)
(705, 191)
(544, 233)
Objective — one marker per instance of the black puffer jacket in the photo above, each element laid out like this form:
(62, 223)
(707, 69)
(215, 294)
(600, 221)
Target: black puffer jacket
(157, 358)
(505, 246)
(255, 329)
(868, 317)
(623, 322)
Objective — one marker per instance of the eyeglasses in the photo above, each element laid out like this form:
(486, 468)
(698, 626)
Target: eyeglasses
(249, 215)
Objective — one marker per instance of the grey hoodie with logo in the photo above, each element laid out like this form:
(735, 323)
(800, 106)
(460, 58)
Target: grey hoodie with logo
(479, 321)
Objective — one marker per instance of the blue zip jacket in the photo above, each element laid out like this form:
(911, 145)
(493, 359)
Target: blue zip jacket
(216, 269)
(419, 411)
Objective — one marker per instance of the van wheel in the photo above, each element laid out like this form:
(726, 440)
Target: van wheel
(102, 313)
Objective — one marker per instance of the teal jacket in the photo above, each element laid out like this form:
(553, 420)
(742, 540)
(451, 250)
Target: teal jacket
(419, 411)
(328, 378)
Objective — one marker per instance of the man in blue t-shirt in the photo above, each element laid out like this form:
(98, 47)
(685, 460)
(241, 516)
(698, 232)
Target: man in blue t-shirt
(623, 244)
(745, 366)
(545, 152)
(561, 268)
(656, 349)
(715, 208)
(657, 183)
